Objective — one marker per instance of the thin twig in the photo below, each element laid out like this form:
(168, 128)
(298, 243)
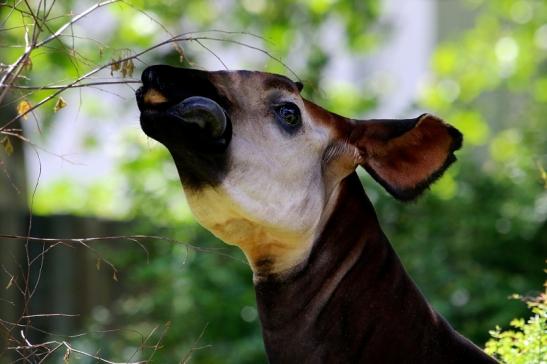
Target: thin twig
(194, 347)
(134, 238)
(15, 68)
(75, 20)
(50, 315)
(81, 85)
(70, 348)
(28, 141)
(213, 53)
(135, 56)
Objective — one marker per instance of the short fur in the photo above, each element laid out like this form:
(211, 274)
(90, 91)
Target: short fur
(329, 287)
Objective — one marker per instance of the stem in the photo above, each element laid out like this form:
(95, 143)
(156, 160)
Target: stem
(64, 87)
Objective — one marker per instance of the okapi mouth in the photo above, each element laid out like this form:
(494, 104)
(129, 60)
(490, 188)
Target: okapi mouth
(182, 109)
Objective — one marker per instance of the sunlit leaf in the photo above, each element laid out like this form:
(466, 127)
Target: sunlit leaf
(446, 187)
(472, 125)
(540, 90)
(506, 145)
(445, 59)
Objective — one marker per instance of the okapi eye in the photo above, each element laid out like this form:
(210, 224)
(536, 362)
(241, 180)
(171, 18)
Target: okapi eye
(289, 114)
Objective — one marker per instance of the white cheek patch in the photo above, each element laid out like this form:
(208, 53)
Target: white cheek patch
(275, 232)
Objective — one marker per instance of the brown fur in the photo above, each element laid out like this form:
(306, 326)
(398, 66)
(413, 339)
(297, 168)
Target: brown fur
(329, 287)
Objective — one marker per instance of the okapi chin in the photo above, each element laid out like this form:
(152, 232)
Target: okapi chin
(266, 170)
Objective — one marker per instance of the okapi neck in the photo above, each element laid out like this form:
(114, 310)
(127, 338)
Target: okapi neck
(353, 301)
(350, 235)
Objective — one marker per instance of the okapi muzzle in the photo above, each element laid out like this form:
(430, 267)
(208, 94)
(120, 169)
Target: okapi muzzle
(273, 173)
(182, 109)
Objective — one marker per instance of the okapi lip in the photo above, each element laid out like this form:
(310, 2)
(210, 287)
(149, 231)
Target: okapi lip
(147, 107)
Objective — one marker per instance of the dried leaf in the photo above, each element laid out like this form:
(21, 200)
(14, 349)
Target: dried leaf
(61, 103)
(124, 71)
(23, 107)
(128, 68)
(114, 276)
(180, 51)
(8, 147)
(10, 283)
(115, 66)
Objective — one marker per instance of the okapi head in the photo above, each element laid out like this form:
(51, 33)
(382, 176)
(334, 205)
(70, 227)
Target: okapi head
(259, 163)
(273, 173)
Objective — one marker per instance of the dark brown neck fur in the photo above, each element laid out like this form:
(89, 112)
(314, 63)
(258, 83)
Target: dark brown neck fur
(353, 302)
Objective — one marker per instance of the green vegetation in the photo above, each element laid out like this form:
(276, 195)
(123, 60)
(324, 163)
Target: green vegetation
(476, 237)
(527, 341)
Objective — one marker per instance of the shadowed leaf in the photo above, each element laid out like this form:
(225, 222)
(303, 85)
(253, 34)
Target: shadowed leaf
(8, 147)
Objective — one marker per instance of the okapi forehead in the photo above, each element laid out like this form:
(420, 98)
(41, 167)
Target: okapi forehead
(268, 80)
(248, 89)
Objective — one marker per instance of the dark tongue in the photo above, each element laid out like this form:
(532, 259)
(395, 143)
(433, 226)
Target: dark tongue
(204, 112)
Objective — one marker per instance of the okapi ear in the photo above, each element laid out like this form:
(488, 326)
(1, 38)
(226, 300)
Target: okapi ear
(406, 156)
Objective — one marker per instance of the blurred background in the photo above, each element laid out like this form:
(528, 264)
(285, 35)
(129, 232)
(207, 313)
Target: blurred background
(477, 237)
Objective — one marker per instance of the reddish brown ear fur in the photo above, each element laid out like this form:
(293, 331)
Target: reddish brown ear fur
(406, 156)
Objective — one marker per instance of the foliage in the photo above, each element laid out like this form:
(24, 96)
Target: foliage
(480, 233)
(527, 341)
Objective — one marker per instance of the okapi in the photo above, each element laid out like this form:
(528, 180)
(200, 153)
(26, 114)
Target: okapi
(273, 173)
